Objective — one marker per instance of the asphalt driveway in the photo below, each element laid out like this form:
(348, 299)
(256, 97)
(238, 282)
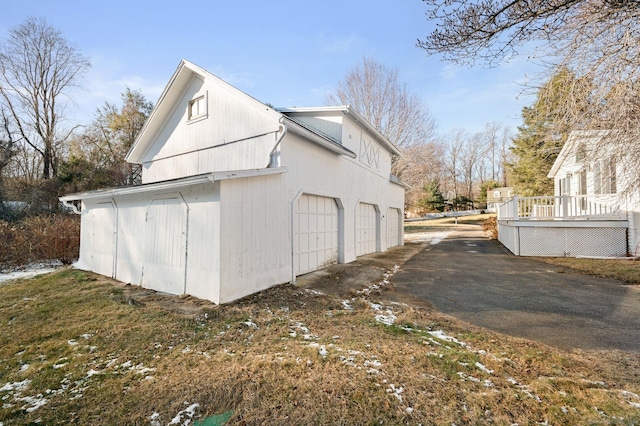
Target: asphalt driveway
(479, 281)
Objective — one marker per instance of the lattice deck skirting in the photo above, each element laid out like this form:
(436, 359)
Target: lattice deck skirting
(565, 238)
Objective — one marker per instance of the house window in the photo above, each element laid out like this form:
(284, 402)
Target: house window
(581, 153)
(609, 181)
(197, 108)
(565, 185)
(496, 194)
(597, 178)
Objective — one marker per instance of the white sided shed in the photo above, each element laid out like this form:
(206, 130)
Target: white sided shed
(238, 197)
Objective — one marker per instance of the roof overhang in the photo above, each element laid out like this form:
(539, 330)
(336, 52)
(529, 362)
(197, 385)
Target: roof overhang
(171, 185)
(318, 138)
(348, 111)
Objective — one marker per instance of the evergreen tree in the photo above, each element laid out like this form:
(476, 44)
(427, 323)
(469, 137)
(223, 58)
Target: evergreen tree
(546, 126)
(433, 200)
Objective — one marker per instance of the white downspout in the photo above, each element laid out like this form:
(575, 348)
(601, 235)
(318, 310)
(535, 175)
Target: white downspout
(72, 207)
(272, 157)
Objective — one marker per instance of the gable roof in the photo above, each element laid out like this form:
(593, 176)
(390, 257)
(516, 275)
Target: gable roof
(168, 99)
(571, 145)
(181, 79)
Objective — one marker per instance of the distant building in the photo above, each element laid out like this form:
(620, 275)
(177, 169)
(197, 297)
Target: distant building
(497, 196)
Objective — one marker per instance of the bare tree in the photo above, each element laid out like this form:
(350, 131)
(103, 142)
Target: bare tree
(377, 94)
(37, 67)
(472, 161)
(8, 147)
(423, 165)
(453, 164)
(505, 155)
(596, 40)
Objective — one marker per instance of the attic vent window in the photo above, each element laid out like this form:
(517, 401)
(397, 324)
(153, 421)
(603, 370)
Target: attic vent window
(198, 108)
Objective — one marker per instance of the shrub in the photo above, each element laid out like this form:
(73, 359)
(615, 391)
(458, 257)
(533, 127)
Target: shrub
(490, 226)
(39, 238)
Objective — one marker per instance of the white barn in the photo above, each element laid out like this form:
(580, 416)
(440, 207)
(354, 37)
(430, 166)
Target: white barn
(238, 197)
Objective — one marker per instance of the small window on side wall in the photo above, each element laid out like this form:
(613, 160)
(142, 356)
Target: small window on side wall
(197, 108)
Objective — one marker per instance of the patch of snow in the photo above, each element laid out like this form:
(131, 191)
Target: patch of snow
(397, 392)
(188, 413)
(483, 368)
(24, 368)
(249, 323)
(32, 402)
(388, 319)
(155, 419)
(323, 351)
(72, 342)
(374, 363)
(439, 334)
(16, 386)
(464, 376)
(93, 372)
(86, 335)
(141, 369)
(30, 271)
(432, 238)
(346, 305)
(627, 393)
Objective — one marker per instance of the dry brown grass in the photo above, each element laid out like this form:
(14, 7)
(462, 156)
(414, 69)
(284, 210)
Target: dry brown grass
(626, 270)
(430, 224)
(93, 351)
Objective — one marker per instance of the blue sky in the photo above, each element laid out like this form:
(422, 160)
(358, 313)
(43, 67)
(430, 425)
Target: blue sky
(286, 53)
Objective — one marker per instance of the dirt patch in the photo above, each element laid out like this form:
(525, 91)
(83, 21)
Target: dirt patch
(345, 280)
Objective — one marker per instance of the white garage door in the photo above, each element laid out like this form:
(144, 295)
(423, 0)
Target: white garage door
(315, 241)
(103, 238)
(165, 246)
(366, 229)
(393, 227)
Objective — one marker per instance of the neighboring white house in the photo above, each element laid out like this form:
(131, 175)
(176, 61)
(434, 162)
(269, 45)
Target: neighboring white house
(591, 212)
(238, 197)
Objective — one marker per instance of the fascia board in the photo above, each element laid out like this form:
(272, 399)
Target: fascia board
(172, 184)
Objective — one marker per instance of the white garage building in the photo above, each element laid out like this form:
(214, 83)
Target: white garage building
(238, 197)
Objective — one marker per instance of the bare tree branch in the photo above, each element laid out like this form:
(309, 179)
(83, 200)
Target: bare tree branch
(37, 66)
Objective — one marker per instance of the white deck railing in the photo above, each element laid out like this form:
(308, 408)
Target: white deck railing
(565, 207)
